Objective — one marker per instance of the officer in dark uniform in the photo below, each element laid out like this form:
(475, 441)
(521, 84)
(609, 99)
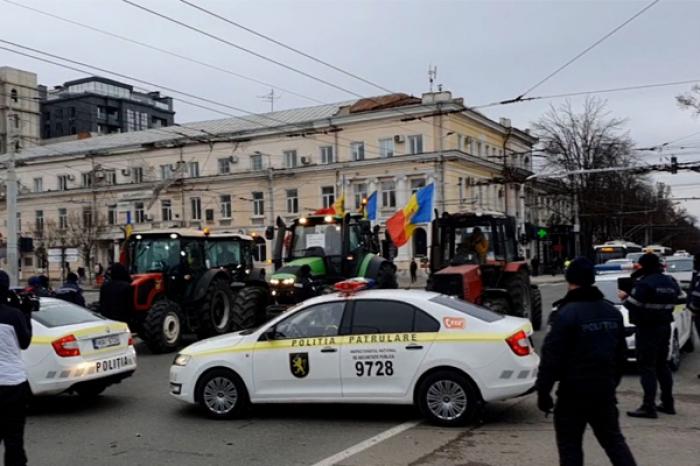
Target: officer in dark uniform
(650, 306)
(585, 352)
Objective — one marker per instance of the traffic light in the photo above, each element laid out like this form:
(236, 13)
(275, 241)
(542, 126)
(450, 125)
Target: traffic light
(542, 233)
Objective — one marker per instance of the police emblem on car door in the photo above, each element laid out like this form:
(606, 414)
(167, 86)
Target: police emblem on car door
(299, 364)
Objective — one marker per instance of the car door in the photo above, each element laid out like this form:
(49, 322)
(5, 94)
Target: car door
(299, 357)
(385, 344)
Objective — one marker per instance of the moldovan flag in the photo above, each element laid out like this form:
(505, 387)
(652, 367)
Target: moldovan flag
(418, 210)
(371, 207)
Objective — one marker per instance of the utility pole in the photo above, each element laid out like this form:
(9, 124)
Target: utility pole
(270, 97)
(11, 199)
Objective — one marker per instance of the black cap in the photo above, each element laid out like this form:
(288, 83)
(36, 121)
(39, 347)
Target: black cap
(650, 261)
(580, 272)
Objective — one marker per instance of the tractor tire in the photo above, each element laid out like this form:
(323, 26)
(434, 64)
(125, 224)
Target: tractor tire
(518, 287)
(249, 308)
(536, 299)
(162, 328)
(498, 305)
(216, 310)
(386, 277)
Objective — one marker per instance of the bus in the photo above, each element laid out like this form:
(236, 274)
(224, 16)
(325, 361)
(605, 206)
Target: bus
(614, 250)
(659, 250)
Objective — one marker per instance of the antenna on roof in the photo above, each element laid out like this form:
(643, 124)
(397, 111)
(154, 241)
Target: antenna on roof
(270, 97)
(432, 75)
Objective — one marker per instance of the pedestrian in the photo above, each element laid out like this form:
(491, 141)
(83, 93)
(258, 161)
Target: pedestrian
(650, 305)
(694, 294)
(535, 263)
(414, 270)
(70, 290)
(116, 295)
(585, 352)
(15, 335)
(36, 286)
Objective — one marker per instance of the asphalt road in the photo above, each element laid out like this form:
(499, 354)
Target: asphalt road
(138, 423)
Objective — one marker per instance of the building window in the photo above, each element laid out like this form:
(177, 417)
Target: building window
(62, 182)
(166, 210)
(388, 189)
(166, 172)
(258, 204)
(415, 144)
(101, 113)
(86, 179)
(225, 166)
(327, 154)
(196, 207)
(15, 118)
(292, 201)
(62, 218)
(386, 148)
(357, 150)
(290, 158)
(225, 201)
(416, 184)
(360, 191)
(193, 168)
(461, 183)
(110, 176)
(87, 217)
(38, 185)
(39, 221)
(328, 196)
(13, 95)
(478, 149)
(139, 212)
(256, 162)
(71, 113)
(137, 175)
(112, 215)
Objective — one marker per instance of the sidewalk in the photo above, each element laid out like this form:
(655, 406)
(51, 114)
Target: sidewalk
(547, 279)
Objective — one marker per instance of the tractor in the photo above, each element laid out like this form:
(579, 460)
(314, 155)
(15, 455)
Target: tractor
(187, 280)
(498, 279)
(321, 250)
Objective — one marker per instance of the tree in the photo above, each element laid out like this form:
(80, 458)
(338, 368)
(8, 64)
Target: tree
(83, 232)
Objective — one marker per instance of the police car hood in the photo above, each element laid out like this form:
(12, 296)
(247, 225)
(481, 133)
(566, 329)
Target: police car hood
(222, 341)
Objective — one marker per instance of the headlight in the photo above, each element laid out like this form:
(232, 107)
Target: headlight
(182, 360)
(288, 281)
(274, 281)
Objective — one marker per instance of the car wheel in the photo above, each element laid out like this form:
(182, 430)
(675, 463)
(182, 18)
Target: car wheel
(674, 360)
(536, 317)
(221, 394)
(689, 346)
(215, 312)
(162, 327)
(448, 398)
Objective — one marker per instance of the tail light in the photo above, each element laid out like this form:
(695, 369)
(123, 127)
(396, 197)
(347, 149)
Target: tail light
(131, 340)
(66, 346)
(519, 343)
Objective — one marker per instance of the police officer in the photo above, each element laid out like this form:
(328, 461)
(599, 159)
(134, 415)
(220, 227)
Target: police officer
(585, 352)
(650, 306)
(15, 335)
(694, 294)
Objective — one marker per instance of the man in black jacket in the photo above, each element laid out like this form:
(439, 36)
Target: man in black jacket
(15, 335)
(650, 306)
(116, 294)
(585, 352)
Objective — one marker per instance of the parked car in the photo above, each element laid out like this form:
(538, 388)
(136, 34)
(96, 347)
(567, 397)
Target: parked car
(680, 268)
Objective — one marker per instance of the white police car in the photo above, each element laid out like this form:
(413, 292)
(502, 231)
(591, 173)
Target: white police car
(375, 346)
(75, 350)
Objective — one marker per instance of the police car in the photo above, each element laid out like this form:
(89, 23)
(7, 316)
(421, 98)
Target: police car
(364, 346)
(75, 350)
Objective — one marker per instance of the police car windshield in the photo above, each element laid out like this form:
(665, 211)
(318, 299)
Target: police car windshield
(56, 313)
(609, 290)
(472, 310)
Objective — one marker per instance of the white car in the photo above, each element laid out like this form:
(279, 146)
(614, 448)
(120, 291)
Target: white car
(680, 268)
(375, 346)
(75, 350)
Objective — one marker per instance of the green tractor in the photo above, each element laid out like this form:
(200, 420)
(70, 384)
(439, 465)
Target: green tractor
(317, 251)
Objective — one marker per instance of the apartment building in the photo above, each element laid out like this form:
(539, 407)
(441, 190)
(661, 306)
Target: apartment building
(19, 108)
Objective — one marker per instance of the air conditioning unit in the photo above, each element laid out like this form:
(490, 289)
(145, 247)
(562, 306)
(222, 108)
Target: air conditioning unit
(233, 159)
(306, 159)
(126, 171)
(399, 138)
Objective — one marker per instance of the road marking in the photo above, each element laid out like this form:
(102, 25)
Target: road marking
(365, 444)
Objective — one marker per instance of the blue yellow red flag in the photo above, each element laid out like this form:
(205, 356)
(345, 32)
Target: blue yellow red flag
(418, 209)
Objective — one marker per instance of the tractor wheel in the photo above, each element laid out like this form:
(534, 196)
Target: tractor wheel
(519, 290)
(536, 316)
(215, 313)
(386, 277)
(498, 305)
(249, 308)
(162, 327)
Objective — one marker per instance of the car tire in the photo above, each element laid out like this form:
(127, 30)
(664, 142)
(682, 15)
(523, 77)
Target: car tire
(689, 346)
(215, 316)
(249, 308)
(536, 317)
(448, 398)
(518, 287)
(674, 359)
(221, 394)
(162, 327)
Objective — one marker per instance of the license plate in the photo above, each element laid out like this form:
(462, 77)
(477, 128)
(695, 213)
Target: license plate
(106, 342)
(112, 364)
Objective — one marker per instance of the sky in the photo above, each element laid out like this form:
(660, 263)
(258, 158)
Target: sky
(484, 52)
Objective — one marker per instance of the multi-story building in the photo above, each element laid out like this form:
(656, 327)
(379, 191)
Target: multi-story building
(101, 106)
(239, 174)
(19, 103)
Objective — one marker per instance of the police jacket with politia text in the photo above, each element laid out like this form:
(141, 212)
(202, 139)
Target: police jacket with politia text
(585, 349)
(15, 335)
(652, 300)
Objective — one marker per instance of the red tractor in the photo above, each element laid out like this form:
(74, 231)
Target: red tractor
(475, 257)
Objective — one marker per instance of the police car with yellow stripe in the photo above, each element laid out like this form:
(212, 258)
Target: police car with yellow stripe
(364, 346)
(75, 350)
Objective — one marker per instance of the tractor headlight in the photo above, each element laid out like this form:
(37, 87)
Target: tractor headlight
(182, 360)
(288, 281)
(274, 281)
